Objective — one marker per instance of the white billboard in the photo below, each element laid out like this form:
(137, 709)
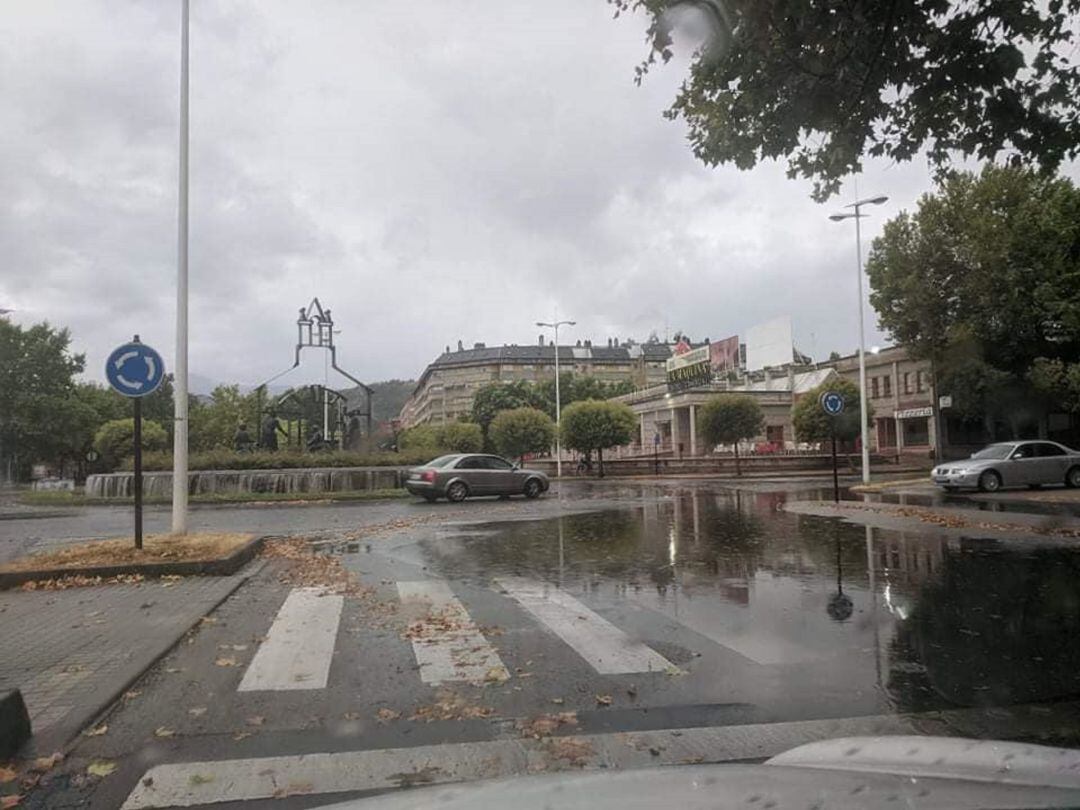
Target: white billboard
(770, 344)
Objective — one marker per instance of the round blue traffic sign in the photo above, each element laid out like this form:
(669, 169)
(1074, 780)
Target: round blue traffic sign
(134, 369)
(832, 403)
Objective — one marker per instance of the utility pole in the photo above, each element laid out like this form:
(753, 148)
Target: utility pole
(180, 367)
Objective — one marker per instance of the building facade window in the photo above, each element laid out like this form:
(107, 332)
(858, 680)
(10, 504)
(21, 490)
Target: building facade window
(887, 385)
(907, 383)
(874, 393)
(920, 381)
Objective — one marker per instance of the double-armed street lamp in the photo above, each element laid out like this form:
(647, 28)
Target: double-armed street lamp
(857, 215)
(558, 403)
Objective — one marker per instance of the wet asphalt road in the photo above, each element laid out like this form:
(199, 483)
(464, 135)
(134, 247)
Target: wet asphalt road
(659, 607)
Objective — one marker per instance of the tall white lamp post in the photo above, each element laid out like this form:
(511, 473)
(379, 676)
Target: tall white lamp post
(857, 215)
(558, 403)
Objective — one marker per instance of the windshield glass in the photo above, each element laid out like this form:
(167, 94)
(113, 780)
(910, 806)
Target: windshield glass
(994, 451)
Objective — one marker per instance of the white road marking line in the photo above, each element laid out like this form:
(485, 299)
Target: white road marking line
(608, 649)
(232, 780)
(446, 642)
(300, 645)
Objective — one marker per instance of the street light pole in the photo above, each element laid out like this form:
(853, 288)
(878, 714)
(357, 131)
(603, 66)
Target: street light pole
(558, 400)
(865, 428)
(180, 370)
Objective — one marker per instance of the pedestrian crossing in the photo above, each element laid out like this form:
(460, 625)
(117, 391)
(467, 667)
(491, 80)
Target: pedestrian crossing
(447, 644)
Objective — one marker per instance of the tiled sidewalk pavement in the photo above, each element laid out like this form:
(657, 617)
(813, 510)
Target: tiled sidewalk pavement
(72, 652)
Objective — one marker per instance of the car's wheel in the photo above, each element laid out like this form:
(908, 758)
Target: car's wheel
(989, 481)
(457, 492)
(532, 488)
(1072, 478)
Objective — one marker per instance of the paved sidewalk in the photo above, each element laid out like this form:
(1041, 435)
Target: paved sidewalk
(72, 652)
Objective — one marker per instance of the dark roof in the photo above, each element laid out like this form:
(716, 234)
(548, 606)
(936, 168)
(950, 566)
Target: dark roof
(546, 354)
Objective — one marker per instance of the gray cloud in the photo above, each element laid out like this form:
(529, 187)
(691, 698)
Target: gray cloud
(431, 171)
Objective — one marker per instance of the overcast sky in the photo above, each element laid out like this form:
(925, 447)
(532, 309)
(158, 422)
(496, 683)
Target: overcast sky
(432, 171)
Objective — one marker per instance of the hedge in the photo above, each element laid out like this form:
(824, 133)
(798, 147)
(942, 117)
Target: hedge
(231, 460)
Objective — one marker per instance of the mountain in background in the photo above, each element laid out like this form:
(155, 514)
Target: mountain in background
(389, 397)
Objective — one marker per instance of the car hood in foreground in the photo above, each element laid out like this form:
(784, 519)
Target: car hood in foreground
(885, 772)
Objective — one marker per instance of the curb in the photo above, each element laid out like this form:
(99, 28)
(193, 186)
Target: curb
(223, 567)
(63, 737)
(14, 723)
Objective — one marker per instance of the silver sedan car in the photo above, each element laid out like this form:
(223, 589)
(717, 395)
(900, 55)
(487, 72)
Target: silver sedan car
(456, 477)
(1012, 464)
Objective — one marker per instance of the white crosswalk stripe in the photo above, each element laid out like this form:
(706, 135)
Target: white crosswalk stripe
(446, 642)
(608, 649)
(300, 645)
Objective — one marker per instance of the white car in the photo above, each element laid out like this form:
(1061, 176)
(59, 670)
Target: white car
(1012, 464)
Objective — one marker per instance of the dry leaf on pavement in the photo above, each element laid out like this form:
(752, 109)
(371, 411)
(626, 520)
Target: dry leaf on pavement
(7, 774)
(101, 768)
(162, 731)
(386, 715)
(603, 700)
(200, 779)
(255, 720)
(7, 802)
(225, 662)
(197, 711)
(97, 732)
(240, 735)
(42, 764)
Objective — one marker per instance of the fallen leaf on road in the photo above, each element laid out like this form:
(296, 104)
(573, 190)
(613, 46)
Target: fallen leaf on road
(200, 779)
(7, 802)
(558, 701)
(101, 768)
(496, 675)
(208, 620)
(603, 700)
(293, 789)
(674, 672)
(97, 732)
(236, 647)
(240, 735)
(197, 711)
(576, 752)
(544, 725)
(173, 670)
(255, 720)
(386, 715)
(43, 764)
(131, 694)
(162, 731)
(7, 774)
(351, 715)
(225, 662)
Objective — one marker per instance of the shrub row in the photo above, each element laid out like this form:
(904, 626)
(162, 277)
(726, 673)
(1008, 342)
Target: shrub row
(231, 460)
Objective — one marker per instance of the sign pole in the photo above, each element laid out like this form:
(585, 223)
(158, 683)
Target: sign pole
(138, 472)
(835, 475)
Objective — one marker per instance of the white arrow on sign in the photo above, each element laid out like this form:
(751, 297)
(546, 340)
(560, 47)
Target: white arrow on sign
(134, 386)
(124, 358)
(151, 369)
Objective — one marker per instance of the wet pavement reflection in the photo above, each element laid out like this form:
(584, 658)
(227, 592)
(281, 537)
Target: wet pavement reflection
(802, 614)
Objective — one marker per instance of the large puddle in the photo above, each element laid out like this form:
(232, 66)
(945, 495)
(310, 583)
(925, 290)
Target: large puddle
(899, 621)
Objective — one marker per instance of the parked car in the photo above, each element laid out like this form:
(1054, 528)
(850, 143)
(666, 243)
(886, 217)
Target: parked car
(1012, 464)
(457, 477)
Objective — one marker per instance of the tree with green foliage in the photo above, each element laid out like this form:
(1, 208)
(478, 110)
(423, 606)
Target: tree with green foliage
(115, 440)
(460, 437)
(596, 425)
(730, 419)
(983, 279)
(213, 424)
(822, 83)
(40, 417)
(811, 422)
(453, 437)
(502, 396)
(577, 387)
(522, 430)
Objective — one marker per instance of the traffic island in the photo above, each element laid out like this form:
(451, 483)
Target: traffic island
(163, 555)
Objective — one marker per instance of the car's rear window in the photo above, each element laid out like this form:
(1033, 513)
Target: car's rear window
(441, 461)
